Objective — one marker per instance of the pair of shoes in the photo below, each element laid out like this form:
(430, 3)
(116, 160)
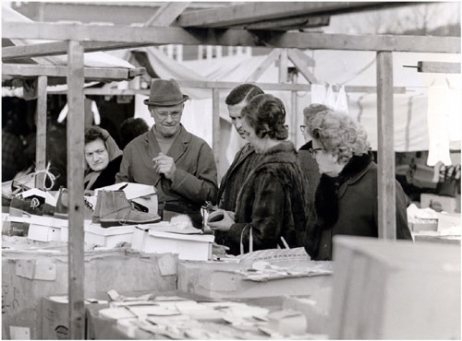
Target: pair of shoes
(113, 209)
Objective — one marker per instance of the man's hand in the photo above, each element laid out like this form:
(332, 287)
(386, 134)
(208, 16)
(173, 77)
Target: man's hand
(164, 164)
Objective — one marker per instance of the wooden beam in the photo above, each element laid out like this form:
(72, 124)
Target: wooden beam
(224, 85)
(164, 16)
(230, 37)
(28, 70)
(438, 67)
(167, 13)
(302, 62)
(287, 24)
(267, 62)
(75, 167)
(41, 146)
(258, 11)
(386, 147)
(216, 125)
(59, 48)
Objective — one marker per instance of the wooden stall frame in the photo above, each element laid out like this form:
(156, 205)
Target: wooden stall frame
(79, 34)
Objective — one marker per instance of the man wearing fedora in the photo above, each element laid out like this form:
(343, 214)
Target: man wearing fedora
(179, 164)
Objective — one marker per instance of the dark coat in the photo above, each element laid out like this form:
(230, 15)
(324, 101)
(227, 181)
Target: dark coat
(244, 162)
(310, 169)
(195, 179)
(271, 203)
(353, 208)
(107, 176)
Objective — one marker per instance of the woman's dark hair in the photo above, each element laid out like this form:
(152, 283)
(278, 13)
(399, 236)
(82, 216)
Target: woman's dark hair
(242, 92)
(266, 114)
(131, 128)
(93, 133)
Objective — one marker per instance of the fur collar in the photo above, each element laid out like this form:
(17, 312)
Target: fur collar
(327, 193)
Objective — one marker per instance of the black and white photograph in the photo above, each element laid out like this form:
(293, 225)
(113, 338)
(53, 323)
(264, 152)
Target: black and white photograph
(231, 170)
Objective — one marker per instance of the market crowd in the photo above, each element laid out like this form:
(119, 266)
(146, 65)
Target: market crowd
(272, 194)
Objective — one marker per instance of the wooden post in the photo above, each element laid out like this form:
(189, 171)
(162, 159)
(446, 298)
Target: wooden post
(386, 146)
(293, 128)
(283, 63)
(216, 125)
(41, 145)
(75, 167)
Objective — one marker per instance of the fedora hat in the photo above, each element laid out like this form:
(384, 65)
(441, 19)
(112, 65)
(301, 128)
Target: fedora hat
(165, 93)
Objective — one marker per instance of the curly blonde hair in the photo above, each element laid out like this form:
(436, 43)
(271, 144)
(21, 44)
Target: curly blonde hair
(311, 111)
(339, 134)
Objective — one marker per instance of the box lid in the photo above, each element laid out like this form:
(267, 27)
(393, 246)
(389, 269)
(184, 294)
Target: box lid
(206, 238)
(109, 231)
(165, 226)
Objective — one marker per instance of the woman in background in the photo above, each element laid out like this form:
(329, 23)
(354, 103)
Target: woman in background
(103, 158)
(346, 200)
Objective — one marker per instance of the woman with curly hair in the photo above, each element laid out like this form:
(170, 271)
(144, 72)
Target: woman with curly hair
(346, 199)
(271, 208)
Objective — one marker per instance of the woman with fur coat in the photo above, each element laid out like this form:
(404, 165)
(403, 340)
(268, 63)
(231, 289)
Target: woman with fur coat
(271, 208)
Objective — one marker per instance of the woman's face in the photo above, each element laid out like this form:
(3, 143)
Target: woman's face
(249, 134)
(327, 162)
(96, 155)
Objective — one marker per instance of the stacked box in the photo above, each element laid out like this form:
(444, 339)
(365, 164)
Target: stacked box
(395, 290)
(28, 276)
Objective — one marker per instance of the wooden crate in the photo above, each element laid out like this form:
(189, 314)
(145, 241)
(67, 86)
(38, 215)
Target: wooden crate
(218, 280)
(28, 276)
(395, 290)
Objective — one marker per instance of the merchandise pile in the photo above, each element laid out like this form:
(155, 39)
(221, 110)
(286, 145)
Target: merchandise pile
(178, 318)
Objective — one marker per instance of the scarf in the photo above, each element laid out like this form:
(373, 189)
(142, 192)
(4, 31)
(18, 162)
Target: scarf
(326, 196)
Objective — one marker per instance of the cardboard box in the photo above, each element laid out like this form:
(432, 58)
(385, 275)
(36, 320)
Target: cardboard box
(187, 246)
(28, 276)
(108, 237)
(438, 203)
(395, 290)
(44, 233)
(315, 308)
(221, 280)
(55, 317)
(448, 220)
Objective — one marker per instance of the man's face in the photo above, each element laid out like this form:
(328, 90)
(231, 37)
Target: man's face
(96, 155)
(167, 119)
(236, 118)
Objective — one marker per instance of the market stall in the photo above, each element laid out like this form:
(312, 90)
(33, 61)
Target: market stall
(221, 26)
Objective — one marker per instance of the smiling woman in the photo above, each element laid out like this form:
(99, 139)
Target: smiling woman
(103, 158)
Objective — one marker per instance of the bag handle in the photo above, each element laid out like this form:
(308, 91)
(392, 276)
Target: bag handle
(250, 239)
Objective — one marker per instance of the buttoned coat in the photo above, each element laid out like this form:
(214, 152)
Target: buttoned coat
(195, 178)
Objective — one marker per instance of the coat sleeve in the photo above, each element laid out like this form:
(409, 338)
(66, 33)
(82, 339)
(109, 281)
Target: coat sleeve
(124, 172)
(267, 213)
(199, 187)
